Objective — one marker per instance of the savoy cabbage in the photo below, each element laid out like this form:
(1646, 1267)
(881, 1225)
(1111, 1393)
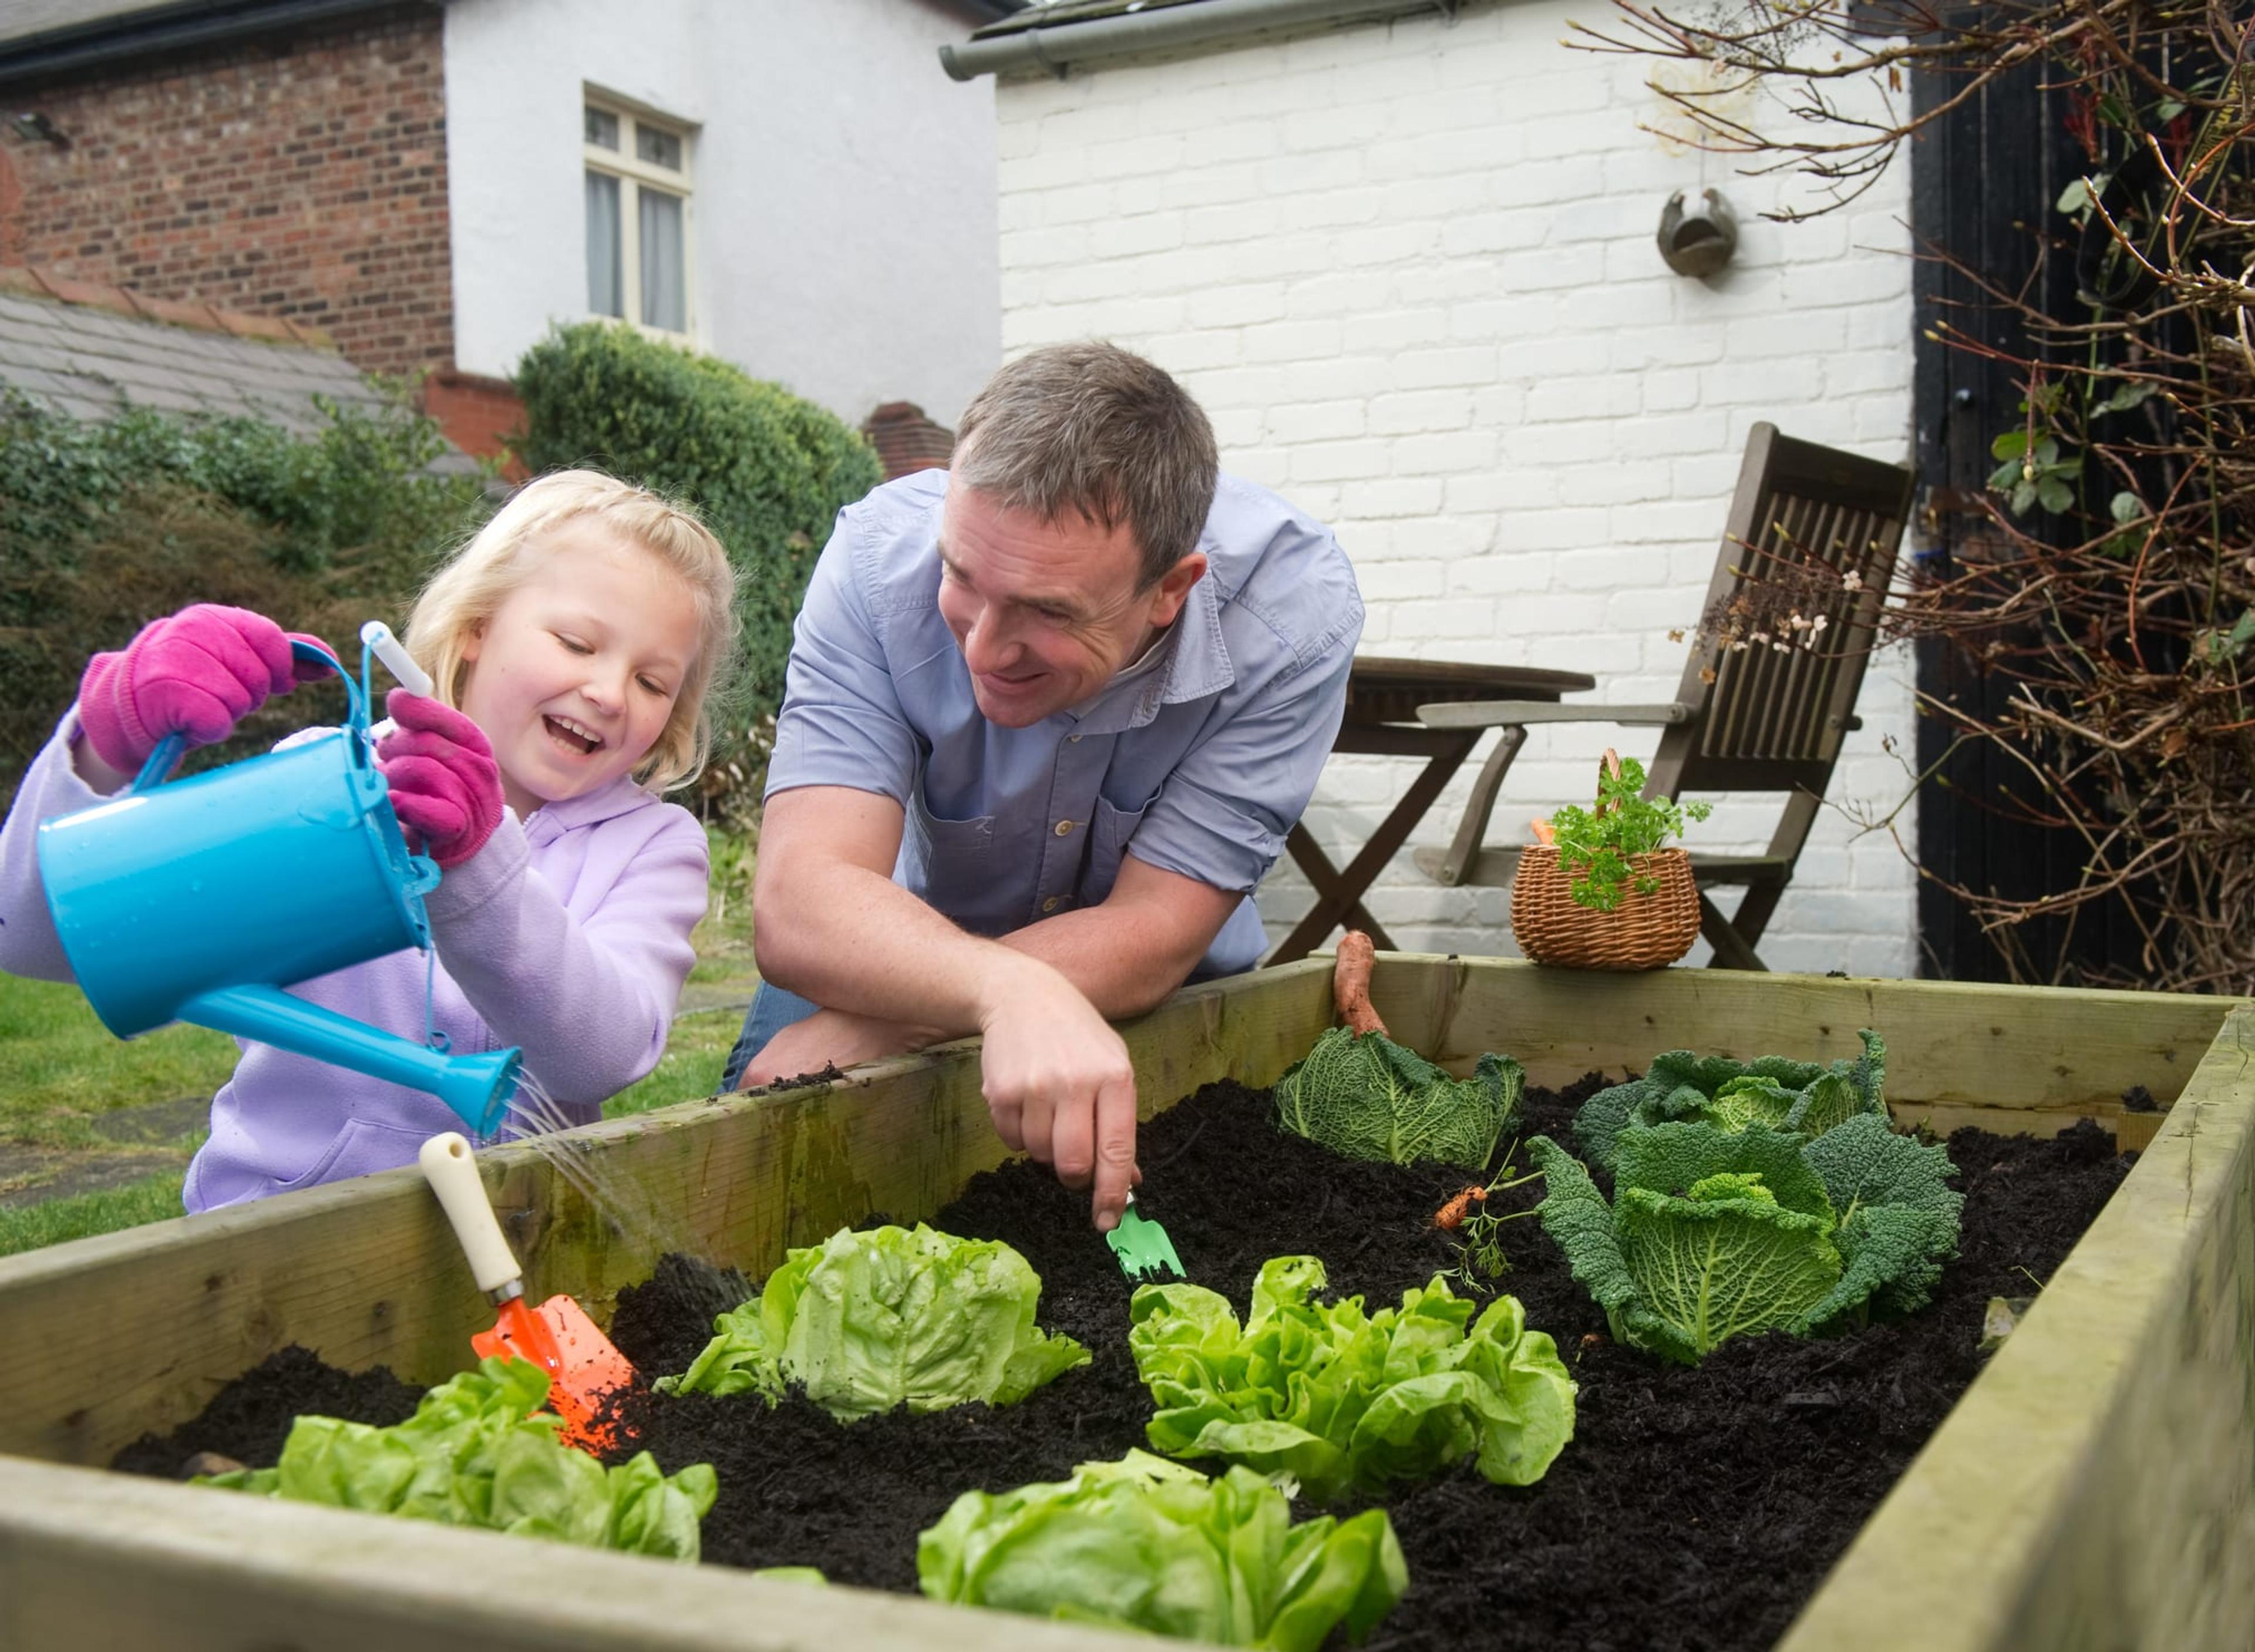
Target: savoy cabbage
(1804, 1098)
(1714, 1233)
(1366, 1097)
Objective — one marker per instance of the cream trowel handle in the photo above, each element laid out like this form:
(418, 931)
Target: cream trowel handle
(451, 1169)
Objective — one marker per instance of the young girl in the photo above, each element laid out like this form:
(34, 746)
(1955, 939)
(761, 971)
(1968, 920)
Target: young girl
(572, 643)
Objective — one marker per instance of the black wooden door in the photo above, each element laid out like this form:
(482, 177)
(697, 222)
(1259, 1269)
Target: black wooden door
(1984, 180)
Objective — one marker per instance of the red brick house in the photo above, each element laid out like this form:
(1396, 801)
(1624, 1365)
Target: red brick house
(337, 164)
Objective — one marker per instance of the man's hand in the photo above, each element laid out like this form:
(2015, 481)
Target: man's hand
(1059, 1085)
(830, 1037)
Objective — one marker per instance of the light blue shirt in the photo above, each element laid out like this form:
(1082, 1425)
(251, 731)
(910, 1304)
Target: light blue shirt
(1199, 762)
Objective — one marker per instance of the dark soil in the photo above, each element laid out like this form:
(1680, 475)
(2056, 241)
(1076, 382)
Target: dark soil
(250, 1418)
(1693, 1509)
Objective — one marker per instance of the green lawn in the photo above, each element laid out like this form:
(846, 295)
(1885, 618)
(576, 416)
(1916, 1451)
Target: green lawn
(68, 1089)
(64, 1069)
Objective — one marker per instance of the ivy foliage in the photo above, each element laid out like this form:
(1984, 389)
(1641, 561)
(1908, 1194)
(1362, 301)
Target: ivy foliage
(768, 470)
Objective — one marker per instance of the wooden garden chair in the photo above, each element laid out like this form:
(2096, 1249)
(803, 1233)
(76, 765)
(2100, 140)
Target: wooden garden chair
(1812, 530)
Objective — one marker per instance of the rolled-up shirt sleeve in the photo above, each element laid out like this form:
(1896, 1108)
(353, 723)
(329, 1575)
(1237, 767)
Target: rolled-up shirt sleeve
(1224, 813)
(841, 722)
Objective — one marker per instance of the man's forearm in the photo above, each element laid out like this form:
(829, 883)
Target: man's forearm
(1124, 959)
(853, 939)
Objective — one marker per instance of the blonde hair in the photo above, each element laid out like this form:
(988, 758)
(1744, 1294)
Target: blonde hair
(466, 592)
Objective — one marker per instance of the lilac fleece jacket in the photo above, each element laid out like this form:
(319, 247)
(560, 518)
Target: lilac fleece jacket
(567, 935)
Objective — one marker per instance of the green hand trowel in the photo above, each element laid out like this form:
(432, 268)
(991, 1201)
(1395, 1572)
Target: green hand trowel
(1142, 1247)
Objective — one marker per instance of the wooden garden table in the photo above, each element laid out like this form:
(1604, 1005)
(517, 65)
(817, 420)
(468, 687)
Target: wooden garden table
(1382, 697)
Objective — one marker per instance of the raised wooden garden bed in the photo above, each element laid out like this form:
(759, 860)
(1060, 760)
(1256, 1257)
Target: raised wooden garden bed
(2093, 1488)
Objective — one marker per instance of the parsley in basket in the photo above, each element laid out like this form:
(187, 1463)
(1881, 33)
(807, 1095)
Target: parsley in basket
(1595, 846)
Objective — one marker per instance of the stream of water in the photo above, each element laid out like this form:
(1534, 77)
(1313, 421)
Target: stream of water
(632, 1211)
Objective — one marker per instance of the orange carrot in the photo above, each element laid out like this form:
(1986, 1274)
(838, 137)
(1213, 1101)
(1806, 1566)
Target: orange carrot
(1351, 983)
(1451, 1215)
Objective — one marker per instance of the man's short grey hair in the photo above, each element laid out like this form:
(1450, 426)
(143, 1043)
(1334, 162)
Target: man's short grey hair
(1094, 430)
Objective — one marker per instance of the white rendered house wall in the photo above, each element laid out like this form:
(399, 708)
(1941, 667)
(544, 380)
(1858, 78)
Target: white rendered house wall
(843, 230)
(1409, 270)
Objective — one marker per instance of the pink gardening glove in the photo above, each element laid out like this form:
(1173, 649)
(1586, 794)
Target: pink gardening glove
(446, 787)
(197, 673)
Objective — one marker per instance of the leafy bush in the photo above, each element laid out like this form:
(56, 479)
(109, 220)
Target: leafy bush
(768, 470)
(1338, 1399)
(104, 527)
(1366, 1097)
(867, 1321)
(1143, 1543)
(480, 1451)
(1801, 1097)
(1713, 1234)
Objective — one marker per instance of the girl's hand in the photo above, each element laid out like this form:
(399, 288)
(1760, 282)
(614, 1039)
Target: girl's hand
(446, 787)
(197, 673)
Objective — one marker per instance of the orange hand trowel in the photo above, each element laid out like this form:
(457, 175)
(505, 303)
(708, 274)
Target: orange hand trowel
(584, 1369)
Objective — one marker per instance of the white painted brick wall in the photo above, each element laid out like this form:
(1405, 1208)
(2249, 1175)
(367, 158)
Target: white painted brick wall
(1409, 271)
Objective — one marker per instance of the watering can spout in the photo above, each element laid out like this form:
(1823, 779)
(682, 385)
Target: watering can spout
(477, 1087)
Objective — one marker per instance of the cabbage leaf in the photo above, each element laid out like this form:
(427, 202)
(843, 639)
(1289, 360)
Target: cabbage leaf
(1714, 1233)
(1336, 1399)
(478, 1452)
(1366, 1097)
(868, 1321)
(1775, 1093)
(1143, 1543)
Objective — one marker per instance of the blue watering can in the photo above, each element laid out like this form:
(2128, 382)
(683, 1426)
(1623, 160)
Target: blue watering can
(200, 900)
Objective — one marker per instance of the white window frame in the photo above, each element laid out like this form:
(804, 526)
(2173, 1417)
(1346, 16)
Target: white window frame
(632, 173)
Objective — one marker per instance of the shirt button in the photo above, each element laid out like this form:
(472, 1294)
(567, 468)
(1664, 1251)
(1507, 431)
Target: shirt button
(1064, 828)
(1073, 738)
(1050, 904)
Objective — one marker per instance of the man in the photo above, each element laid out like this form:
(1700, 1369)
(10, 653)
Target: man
(1048, 718)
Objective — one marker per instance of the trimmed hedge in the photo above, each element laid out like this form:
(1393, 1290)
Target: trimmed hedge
(768, 470)
(106, 526)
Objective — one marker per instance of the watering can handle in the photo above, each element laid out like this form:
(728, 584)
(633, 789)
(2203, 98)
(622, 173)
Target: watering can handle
(376, 637)
(171, 748)
(452, 1171)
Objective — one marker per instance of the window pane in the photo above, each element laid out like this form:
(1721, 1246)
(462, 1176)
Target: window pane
(664, 279)
(602, 129)
(657, 146)
(603, 273)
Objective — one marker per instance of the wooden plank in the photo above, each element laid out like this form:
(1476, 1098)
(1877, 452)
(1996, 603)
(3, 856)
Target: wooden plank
(1950, 1045)
(99, 1560)
(138, 1330)
(2092, 1490)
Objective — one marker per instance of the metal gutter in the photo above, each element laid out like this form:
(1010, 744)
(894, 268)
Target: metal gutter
(168, 28)
(1062, 45)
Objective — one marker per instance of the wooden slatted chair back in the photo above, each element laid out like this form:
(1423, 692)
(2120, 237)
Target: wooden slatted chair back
(1813, 535)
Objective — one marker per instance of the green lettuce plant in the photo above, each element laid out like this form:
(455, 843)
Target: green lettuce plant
(1336, 1398)
(1804, 1097)
(868, 1321)
(480, 1451)
(1366, 1097)
(1713, 1234)
(1146, 1544)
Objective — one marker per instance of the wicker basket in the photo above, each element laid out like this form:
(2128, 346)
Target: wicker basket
(1645, 932)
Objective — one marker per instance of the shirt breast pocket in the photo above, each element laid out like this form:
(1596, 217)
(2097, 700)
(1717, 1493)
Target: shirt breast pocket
(1109, 830)
(945, 850)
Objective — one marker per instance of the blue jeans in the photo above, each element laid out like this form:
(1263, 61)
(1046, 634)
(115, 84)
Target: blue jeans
(772, 1010)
